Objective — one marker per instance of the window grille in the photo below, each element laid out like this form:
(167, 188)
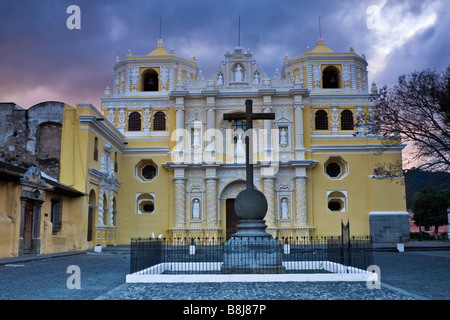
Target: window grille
(347, 120)
(321, 120)
(159, 121)
(134, 122)
(56, 215)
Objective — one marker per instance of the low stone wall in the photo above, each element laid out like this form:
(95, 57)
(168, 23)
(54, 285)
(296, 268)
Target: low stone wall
(389, 226)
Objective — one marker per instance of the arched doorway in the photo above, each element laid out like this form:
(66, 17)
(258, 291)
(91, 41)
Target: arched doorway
(231, 219)
(227, 197)
(91, 215)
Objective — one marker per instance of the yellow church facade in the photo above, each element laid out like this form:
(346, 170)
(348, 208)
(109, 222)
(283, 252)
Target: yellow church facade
(182, 165)
(158, 159)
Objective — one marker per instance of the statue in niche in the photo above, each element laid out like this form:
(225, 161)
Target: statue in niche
(238, 75)
(196, 209)
(283, 138)
(284, 208)
(220, 79)
(256, 78)
(196, 142)
(240, 146)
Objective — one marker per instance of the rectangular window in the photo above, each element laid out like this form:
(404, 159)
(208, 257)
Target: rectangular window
(56, 215)
(96, 149)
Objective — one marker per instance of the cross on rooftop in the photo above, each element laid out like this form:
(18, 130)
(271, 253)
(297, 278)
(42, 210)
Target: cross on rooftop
(248, 116)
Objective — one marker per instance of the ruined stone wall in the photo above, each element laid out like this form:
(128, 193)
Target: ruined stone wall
(32, 137)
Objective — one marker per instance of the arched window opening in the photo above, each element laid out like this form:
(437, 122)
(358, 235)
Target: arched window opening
(134, 122)
(105, 210)
(321, 120)
(347, 120)
(159, 121)
(240, 125)
(337, 201)
(114, 212)
(150, 80)
(91, 215)
(146, 203)
(237, 127)
(330, 79)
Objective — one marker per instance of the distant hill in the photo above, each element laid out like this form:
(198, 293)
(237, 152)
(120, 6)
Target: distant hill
(416, 180)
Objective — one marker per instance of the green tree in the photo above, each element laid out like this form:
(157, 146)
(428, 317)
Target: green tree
(430, 208)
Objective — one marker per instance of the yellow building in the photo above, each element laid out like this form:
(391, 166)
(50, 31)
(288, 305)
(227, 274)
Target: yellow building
(160, 160)
(181, 166)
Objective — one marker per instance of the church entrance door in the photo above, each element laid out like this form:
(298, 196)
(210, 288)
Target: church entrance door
(232, 218)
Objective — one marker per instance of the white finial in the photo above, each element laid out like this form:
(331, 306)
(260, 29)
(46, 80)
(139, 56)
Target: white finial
(107, 92)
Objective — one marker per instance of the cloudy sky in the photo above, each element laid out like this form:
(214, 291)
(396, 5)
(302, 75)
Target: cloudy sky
(41, 59)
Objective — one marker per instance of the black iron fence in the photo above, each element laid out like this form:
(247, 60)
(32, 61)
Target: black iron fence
(299, 255)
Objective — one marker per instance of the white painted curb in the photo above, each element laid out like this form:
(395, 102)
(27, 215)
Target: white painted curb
(339, 273)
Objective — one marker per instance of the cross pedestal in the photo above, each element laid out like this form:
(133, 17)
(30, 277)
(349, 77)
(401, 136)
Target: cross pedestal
(251, 249)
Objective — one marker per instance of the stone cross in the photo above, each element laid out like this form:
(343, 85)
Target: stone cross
(248, 116)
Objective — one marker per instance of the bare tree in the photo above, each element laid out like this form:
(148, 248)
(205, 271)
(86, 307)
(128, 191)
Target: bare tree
(417, 109)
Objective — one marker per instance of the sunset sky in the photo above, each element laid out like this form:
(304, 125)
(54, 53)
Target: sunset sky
(41, 59)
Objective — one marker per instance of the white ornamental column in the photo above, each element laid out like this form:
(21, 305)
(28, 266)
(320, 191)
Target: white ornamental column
(179, 126)
(269, 192)
(298, 118)
(147, 123)
(111, 206)
(179, 107)
(211, 112)
(300, 201)
(100, 207)
(267, 130)
(121, 124)
(210, 126)
(211, 202)
(334, 119)
(180, 200)
(180, 197)
(211, 196)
